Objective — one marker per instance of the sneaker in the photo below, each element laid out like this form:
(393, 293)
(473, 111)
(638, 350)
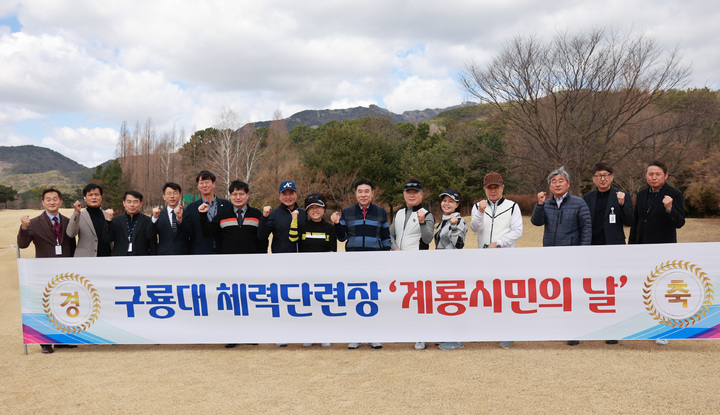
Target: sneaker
(573, 342)
(307, 344)
(376, 345)
(230, 345)
(661, 342)
(324, 344)
(420, 346)
(611, 342)
(46, 348)
(281, 344)
(353, 346)
(450, 345)
(506, 345)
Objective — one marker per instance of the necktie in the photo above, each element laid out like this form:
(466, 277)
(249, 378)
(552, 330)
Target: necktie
(364, 211)
(56, 225)
(240, 217)
(174, 221)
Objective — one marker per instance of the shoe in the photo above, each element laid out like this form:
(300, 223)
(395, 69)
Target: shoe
(661, 342)
(376, 345)
(420, 346)
(324, 344)
(451, 345)
(307, 344)
(353, 346)
(281, 344)
(47, 348)
(506, 345)
(65, 346)
(611, 342)
(573, 342)
(230, 345)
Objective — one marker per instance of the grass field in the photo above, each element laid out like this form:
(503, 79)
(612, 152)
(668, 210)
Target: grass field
(531, 378)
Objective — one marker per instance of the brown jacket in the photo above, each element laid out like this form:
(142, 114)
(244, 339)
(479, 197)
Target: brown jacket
(42, 235)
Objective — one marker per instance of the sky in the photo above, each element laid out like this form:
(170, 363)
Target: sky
(72, 71)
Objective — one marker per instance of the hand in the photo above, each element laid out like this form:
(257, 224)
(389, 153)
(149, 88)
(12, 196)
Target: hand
(77, 206)
(203, 208)
(620, 197)
(421, 215)
(109, 213)
(295, 213)
(179, 213)
(493, 245)
(156, 212)
(541, 197)
(335, 217)
(482, 205)
(266, 211)
(25, 221)
(454, 219)
(667, 201)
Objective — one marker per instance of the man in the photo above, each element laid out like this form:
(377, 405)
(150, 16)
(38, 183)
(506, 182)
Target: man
(89, 224)
(413, 226)
(237, 227)
(610, 210)
(659, 212)
(497, 221)
(200, 244)
(566, 217)
(131, 233)
(166, 223)
(48, 232)
(364, 226)
(278, 220)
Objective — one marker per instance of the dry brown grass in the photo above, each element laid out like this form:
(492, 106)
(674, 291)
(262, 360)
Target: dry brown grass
(531, 378)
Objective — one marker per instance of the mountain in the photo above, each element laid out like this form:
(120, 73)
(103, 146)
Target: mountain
(316, 118)
(31, 159)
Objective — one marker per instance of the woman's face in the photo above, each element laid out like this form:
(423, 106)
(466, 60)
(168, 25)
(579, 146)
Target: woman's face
(448, 205)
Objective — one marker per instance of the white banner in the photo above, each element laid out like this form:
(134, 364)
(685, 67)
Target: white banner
(561, 293)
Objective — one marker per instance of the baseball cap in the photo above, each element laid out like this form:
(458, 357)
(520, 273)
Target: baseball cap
(412, 186)
(314, 199)
(493, 178)
(454, 194)
(287, 185)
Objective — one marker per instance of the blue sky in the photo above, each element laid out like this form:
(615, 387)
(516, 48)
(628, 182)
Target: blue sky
(73, 71)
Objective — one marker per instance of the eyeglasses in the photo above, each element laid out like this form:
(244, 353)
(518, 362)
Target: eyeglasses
(602, 176)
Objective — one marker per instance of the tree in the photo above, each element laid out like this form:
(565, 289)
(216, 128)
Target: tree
(113, 183)
(7, 194)
(568, 101)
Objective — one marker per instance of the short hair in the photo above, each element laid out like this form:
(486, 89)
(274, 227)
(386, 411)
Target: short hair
(133, 193)
(51, 190)
(559, 170)
(173, 186)
(361, 181)
(602, 166)
(92, 186)
(658, 163)
(205, 175)
(238, 185)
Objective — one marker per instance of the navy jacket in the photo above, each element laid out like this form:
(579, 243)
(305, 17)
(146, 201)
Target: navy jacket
(653, 224)
(614, 232)
(199, 243)
(565, 225)
(278, 223)
(170, 242)
(369, 233)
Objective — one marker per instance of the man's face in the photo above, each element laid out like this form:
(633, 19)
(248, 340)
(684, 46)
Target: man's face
(603, 179)
(494, 192)
(559, 185)
(288, 197)
(315, 213)
(171, 197)
(93, 198)
(655, 177)
(364, 195)
(239, 198)
(132, 204)
(52, 202)
(413, 197)
(206, 188)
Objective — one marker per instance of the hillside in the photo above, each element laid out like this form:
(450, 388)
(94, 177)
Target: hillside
(65, 181)
(31, 159)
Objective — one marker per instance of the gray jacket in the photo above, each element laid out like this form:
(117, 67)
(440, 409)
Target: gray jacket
(565, 225)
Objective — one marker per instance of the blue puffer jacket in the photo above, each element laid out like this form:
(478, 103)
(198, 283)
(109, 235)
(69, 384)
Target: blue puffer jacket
(568, 224)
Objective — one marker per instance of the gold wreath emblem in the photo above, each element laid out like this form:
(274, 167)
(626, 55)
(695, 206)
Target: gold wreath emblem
(683, 266)
(90, 289)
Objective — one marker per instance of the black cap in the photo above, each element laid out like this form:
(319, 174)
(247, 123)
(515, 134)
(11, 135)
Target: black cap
(454, 194)
(314, 199)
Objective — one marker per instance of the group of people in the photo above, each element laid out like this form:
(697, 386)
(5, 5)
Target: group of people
(212, 225)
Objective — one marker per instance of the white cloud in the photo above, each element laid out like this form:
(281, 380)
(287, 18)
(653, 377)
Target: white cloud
(87, 146)
(417, 94)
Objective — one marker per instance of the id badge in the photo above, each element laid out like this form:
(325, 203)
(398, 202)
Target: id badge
(130, 247)
(612, 218)
(58, 250)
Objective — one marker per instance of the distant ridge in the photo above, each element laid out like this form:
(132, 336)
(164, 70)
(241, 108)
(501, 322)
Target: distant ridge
(31, 159)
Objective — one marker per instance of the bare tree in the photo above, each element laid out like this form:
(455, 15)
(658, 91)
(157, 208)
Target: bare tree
(224, 155)
(569, 101)
(250, 151)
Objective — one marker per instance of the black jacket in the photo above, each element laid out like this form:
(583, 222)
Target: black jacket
(614, 232)
(200, 244)
(235, 239)
(653, 224)
(143, 240)
(170, 242)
